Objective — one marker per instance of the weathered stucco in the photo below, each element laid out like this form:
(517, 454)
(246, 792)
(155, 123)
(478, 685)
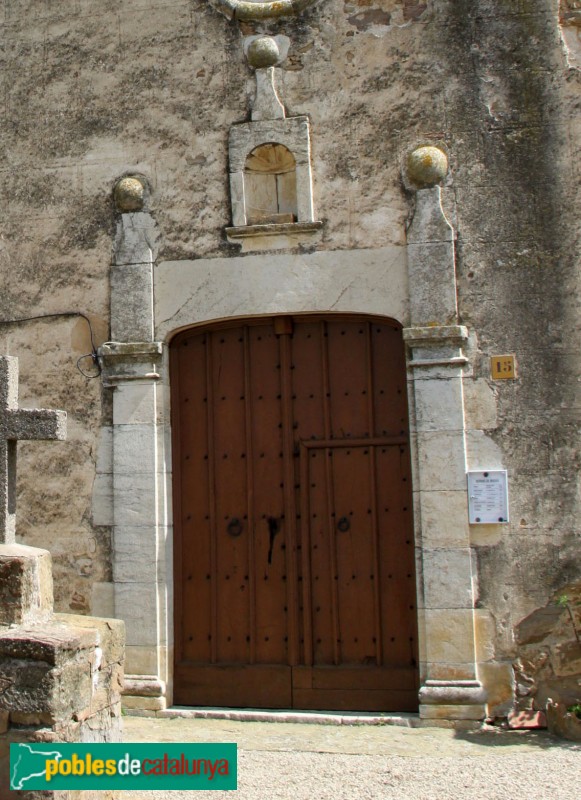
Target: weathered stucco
(94, 91)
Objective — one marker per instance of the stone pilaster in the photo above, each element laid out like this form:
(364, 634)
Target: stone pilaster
(134, 251)
(436, 361)
(131, 368)
(140, 500)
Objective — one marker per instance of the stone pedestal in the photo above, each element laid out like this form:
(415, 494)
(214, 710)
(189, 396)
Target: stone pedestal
(61, 675)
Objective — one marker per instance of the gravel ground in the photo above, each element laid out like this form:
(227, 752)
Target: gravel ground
(308, 762)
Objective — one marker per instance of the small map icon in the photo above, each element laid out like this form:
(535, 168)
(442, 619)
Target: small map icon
(31, 763)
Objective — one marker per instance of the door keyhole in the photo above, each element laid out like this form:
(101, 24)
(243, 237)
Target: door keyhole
(343, 524)
(273, 529)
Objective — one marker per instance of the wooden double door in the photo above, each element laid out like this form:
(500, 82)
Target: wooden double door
(294, 555)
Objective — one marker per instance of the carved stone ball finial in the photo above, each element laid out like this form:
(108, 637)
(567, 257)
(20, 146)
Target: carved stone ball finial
(427, 166)
(129, 194)
(263, 52)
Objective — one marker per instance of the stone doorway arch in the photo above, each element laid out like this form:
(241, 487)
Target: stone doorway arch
(150, 306)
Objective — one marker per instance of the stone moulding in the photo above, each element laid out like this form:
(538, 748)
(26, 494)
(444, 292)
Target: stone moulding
(245, 231)
(246, 10)
(144, 686)
(435, 334)
(438, 345)
(452, 692)
(130, 361)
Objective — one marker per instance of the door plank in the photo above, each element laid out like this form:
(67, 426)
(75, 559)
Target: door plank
(290, 520)
(256, 686)
(355, 700)
(357, 678)
(268, 568)
(232, 528)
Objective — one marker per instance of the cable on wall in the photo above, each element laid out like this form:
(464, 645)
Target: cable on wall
(93, 355)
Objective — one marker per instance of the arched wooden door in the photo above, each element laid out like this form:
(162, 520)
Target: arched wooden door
(294, 556)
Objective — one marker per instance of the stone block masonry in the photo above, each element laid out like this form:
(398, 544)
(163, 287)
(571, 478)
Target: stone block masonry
(61, 675)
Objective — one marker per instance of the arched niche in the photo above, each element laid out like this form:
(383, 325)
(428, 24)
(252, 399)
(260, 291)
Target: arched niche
(270, 185)
(261, 155)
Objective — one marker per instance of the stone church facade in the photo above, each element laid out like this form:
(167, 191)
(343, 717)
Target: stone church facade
(328, 253)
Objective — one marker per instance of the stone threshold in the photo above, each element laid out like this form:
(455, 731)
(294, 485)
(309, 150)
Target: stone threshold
(401, 720)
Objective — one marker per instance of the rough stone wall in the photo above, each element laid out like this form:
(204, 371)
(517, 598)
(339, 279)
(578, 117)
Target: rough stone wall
(549, 647)
(94, 90)
(61, 675)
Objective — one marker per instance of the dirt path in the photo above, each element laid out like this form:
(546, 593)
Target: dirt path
(344, 762)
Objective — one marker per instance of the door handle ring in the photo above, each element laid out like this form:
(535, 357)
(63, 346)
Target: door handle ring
(234, 527)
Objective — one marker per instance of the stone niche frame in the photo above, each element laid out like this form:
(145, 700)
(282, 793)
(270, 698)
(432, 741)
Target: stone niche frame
(294, 134)
(391, 282)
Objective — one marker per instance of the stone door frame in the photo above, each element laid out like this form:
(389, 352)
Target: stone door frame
(175, 295)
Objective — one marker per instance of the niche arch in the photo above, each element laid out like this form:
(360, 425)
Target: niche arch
(270, 185)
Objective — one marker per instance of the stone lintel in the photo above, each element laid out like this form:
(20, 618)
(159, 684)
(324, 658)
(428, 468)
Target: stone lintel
(130, 361)
(456, 692)
(454, 361)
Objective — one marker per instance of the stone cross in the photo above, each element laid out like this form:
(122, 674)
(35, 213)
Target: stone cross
(17, 423)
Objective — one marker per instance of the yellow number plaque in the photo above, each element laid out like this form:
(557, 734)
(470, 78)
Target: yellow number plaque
(503, 368)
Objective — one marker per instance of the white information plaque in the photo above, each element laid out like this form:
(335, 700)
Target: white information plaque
(488, 497)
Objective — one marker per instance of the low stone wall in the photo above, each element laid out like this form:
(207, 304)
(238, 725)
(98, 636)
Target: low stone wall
(549, 666)
(61, 675)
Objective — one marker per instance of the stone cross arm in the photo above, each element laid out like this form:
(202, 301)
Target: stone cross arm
(18, 424)
(35, 423)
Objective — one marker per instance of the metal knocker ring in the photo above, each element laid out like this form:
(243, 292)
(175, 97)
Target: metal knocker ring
(234, 527)
(343, 524)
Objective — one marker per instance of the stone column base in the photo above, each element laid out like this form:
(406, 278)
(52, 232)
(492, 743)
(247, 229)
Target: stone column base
(452, 700)
(144, 693)
(452, 712)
